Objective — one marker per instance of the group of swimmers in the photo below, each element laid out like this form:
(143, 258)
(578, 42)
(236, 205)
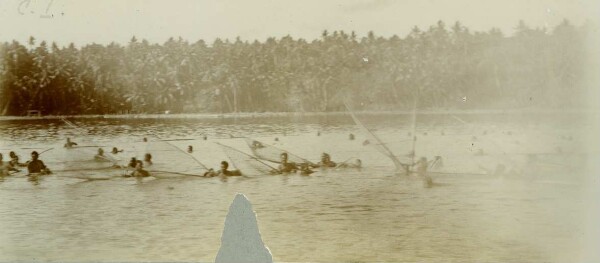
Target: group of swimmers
(34, 166)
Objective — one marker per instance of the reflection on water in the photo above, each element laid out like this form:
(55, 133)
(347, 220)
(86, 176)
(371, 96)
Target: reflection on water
(346, 215)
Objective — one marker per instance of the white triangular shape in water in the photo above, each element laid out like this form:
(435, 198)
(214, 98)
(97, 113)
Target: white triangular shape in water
(241, 241)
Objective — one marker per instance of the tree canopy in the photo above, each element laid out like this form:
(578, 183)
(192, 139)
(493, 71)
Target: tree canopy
(441, 67)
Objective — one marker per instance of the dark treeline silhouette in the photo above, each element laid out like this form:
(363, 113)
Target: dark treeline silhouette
(441, 66)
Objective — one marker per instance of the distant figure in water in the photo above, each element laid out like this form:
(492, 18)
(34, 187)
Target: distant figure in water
(145, 139)
(305, 169)
(257, 145)
(139, 170)
(276, 139)
(223, 171)
(318, 133)
(100, 155)
(14, 160)
(204, 137)
(132, 163)
(422, 165)
(326, 161)
(6, 167)
(190, 149)
(69, 143)
(286, 167)
(351, 137)
(356, 164)
(36, 166)
(148, 159)
(115, 150)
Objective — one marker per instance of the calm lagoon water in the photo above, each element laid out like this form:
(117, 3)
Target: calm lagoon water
(545, 214)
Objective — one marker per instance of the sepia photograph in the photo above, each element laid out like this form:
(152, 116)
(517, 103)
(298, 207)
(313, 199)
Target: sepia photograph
(299, 131)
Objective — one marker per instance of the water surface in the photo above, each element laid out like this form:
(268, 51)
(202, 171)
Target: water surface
(367, 215)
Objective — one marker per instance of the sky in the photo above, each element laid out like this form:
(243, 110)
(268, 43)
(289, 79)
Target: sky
(86, 21)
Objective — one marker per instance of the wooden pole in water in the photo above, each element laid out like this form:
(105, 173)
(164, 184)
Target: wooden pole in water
(414, 128)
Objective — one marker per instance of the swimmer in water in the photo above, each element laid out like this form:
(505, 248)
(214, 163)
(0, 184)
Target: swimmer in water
(115, 150)
(100, 155)
(223, 171)
(69, 143)
(36, 166)
(139, 170)
(148, 159)
(285, 166)
(6, 167)
(14, 160)
(326, 161)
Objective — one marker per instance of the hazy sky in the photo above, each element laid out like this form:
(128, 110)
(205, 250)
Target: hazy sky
(85, 21)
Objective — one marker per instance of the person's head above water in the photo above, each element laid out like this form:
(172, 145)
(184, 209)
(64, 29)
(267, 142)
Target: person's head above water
(145, 139)
(68, 139)
(12, 154)
(139, 165)
(34, 155)
(284, 157)
(115, 150)
(190, 148)
(100, 151)
(224, 165)
(148, 157)
(325, 157)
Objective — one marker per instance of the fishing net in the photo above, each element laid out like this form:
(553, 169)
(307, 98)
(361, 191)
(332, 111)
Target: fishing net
(168, 160)
(83, 158)
(272, 153)
(378, 144)
(247, 164)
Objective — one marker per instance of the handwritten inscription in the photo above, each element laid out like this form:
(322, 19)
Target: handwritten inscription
(31, 7)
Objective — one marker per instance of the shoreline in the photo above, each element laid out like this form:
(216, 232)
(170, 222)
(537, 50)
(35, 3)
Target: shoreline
(298, 114)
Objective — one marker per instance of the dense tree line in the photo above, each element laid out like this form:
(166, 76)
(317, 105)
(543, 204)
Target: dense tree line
(442, 67)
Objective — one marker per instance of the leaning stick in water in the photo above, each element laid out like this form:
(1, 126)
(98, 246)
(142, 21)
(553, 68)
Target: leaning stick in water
(344, 162)
(459, 119)
(45, 151)
(72, 125)
(168, 172)
(171, 140)
(272, 169)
